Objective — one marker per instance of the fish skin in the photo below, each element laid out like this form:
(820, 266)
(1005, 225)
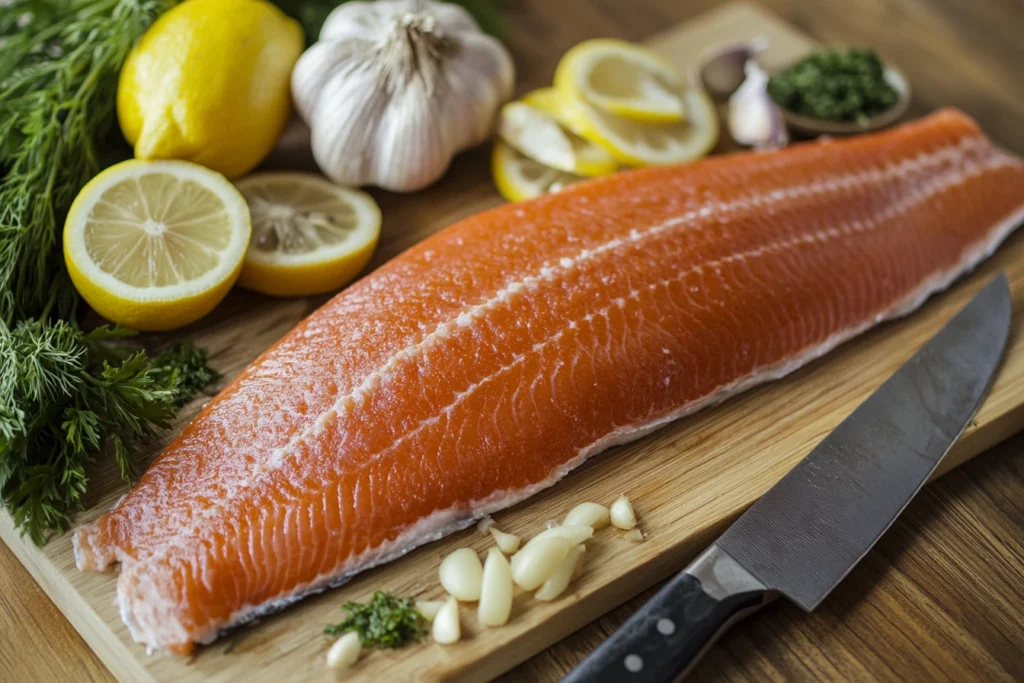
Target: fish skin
(485, 363)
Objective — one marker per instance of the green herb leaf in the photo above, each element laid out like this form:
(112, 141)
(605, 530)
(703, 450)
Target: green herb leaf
(387, 622)
(64, 396)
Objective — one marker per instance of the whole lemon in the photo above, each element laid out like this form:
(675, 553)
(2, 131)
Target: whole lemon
(209, 83)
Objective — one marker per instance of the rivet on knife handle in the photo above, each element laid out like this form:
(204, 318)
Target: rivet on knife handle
(668, 633)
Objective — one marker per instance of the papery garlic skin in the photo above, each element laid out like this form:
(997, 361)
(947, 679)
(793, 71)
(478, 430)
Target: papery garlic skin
(395, 88)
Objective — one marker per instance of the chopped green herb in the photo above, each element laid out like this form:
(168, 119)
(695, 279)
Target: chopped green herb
(387, 622)
(835, 85)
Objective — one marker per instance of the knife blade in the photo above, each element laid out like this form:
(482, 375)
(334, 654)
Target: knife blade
(809, 530)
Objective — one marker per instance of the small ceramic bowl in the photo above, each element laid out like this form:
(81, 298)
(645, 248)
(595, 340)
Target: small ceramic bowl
(808, 125)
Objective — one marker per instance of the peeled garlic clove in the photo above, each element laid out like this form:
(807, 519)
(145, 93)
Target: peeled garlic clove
(634, 535)
(461, 574)
(536, 562)
(507, 543)
(496, 591)
(559, 581)
(574, 533)
(593, 515)
(446, 628)
(345, 651)
(754, 119)
(428, 608)
(622, 514)
(722, 69)
(484, 524)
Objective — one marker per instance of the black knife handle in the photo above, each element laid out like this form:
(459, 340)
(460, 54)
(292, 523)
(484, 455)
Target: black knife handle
(668, 634)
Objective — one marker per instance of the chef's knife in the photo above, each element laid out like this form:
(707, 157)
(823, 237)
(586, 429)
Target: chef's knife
(802, 537)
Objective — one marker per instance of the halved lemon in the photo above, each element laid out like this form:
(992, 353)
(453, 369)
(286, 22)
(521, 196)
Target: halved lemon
(309, 236)
(632, 143)
(622, 78)
(519, 177)
(154, 245)
(539, 136)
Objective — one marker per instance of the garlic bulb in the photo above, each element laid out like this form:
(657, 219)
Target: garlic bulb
(395, 88)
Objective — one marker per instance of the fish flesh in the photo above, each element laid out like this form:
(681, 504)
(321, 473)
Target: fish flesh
(482, 365)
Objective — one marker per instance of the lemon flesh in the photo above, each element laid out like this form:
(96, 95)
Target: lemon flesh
(310, 236)
(622, 78)
(519, 177)
(539, 136)
(156, 245)
(632, 143)
(209, 83)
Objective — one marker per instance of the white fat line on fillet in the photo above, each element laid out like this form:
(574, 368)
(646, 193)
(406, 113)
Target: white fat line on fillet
(443, 522)
(871, 176)
(933, 187)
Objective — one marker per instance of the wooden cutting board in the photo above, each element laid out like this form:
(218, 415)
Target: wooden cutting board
(687, 481)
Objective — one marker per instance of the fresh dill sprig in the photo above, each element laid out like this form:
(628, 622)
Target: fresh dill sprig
(386, 622)
(59, 63)
(66, 395)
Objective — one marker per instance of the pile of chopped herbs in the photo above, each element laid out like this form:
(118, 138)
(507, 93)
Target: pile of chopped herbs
(386, 622)
(835, 85)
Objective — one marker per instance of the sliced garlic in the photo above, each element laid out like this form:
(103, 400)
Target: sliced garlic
(446, 628)
(593, 515)
(496, 591)
(345, 651)
(634, 535)
(428, 608)
(556, 584)
(507, 543)
(538, 560)
(622, 514)
(461, 574)
(574, 533)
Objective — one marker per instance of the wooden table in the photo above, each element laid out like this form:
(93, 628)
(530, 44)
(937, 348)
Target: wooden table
(942, 595)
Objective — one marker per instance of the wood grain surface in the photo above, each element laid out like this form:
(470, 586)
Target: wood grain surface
(940, 597)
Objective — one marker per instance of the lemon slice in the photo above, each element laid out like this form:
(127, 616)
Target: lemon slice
(632, 143)
(154, 245)
(622, 78)
(539, 136)
(519, 177)
(309, 236)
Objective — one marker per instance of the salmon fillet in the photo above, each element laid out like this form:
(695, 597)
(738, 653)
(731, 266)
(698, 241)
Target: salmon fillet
(488, 361)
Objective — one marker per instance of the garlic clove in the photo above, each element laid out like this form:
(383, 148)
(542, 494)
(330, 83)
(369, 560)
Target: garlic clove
(721, 69)
(462, 574)
(556, 584)
(754, 120)
(622, 514)
(446, 628)
(496, 592)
